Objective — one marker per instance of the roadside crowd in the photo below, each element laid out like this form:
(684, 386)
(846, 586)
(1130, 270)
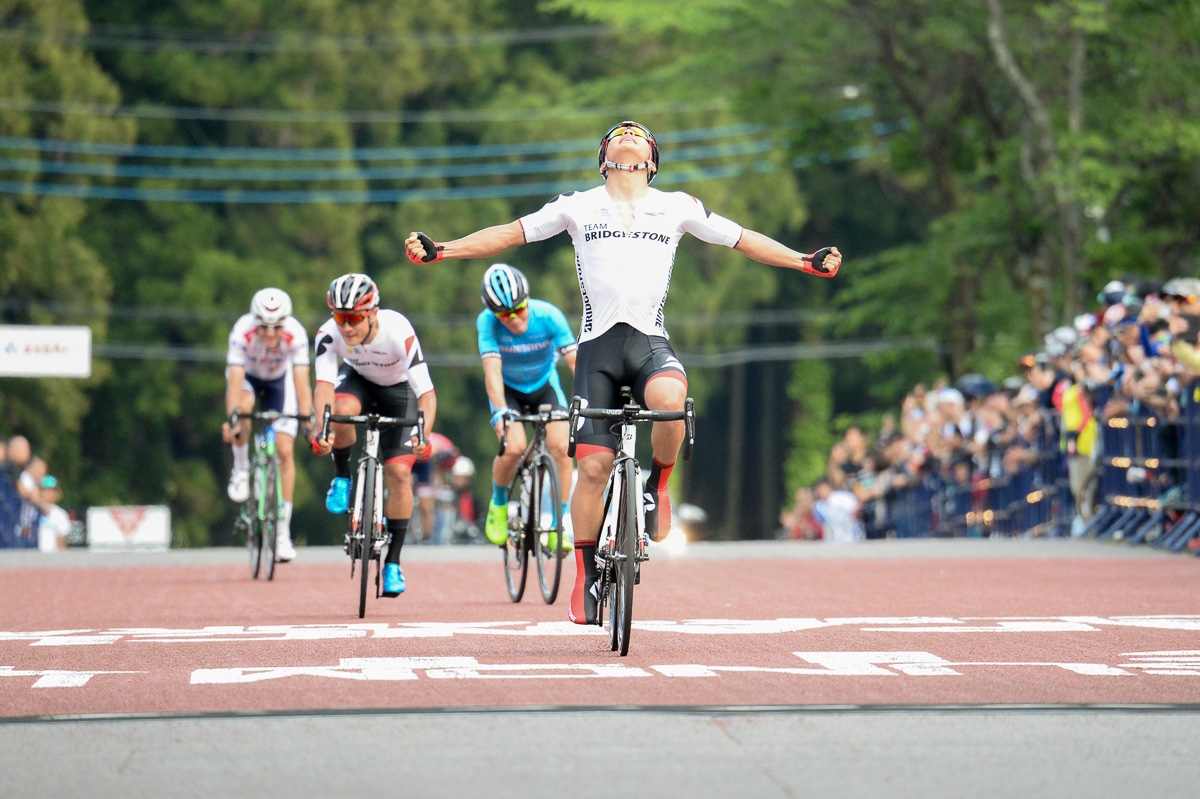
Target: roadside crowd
(30, 516)
(1130, 357)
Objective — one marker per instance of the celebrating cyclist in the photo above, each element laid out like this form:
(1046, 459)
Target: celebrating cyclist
(266, 346)
(625, 235)
(382, 371)
(520, 341)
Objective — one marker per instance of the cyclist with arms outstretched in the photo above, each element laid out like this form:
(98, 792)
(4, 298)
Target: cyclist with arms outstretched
(625, 235)
(267, 347)
(382, 371)
(520, 341)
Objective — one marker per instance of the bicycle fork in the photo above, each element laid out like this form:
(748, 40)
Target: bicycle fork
(369, 534)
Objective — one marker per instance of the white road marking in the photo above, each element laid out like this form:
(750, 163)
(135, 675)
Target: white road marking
(407, 668)
(756, 627)
(58, 678)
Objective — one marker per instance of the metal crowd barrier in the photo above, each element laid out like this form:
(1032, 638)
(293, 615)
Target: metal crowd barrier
(1149, 479)
(1144, 485)
(1034, 500)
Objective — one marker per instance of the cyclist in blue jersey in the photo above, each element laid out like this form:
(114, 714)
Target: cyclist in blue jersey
(520, 341)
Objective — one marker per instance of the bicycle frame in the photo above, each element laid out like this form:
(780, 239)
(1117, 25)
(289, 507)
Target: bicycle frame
(370, 454)
(624, 508)
(264, 469)
(536, 489)
(365, 537)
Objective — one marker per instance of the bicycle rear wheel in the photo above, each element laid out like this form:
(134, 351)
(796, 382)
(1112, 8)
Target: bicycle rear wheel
(626, 560)
(518, 545)
(270, 516)
(545, 513)
(366, 533)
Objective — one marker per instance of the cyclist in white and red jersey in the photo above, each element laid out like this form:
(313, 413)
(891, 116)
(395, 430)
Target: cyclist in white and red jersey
(382, 371)
(625, 235)
(267, 347)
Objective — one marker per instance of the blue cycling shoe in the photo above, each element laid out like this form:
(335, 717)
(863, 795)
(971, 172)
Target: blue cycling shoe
(338, 497)
(393, 580)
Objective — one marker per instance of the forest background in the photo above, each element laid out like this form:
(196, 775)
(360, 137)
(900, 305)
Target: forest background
(983, 165)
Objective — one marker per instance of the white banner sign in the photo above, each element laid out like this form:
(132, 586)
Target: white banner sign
(45, 351)
(129, 527)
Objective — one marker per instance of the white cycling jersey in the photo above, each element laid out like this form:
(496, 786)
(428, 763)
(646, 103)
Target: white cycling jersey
(624, 274)
(393, 356)
(246, 349)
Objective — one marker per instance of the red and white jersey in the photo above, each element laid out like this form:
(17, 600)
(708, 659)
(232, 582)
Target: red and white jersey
(393, 356)
(624, 274)
(246, 349)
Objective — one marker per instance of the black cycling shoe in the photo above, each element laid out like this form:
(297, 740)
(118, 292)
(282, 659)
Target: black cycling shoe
(650, 503)
(591, 603)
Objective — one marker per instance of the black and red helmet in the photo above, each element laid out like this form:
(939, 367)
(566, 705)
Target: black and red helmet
(352, 292)
(602, 154)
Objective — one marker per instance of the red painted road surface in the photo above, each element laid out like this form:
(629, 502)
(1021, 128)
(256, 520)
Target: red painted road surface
(1060, 622)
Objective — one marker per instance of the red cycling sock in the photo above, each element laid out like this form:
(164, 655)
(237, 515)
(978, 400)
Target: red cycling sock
(585, 556)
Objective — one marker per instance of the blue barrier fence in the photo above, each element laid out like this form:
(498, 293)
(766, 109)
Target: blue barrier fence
(1142, 487)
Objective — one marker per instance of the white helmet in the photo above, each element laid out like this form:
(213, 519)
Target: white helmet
(271, 306)
(463, 467)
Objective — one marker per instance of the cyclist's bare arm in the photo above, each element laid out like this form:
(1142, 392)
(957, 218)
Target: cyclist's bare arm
(766, 250)
(569, 357)
(324, 395)
(233, 398)
(428, 403)
(304, 392)
(493, 383)
(480, 244)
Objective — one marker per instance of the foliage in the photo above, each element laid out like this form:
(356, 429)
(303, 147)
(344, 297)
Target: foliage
(895, 131)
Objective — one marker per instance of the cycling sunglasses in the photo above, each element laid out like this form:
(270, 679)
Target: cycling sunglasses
(514, 313)
(636, 130)
(270, 328)
(349, 318)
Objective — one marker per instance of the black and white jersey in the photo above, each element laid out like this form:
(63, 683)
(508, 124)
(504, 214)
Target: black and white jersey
(624, 274)
(393, 356)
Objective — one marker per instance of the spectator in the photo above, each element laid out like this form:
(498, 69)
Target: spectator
(55, 524)
(837, 511)
(28, 487)
(17, 460)
(799, 522)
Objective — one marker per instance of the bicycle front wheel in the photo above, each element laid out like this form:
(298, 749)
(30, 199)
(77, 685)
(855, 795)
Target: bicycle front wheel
(366, 533)
(518, 544)
(625, 550)
(248, 525)
(269, 516)
(546, 518)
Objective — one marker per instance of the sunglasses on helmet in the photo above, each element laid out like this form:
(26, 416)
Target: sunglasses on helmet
(505, 316)
(348, 318)
(636, 130)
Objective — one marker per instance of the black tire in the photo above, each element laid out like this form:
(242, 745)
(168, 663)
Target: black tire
(270, 517)
(546, 496)
(247, 525)
(626, 562)
(366, 534)
(517, 549)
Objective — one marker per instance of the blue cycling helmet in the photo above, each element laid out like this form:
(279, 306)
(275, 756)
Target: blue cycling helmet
(504, 288)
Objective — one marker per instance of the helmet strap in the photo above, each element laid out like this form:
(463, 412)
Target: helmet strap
(628, 167)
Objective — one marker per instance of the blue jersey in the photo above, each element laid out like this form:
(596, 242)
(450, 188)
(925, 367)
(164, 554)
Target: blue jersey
(527, 361)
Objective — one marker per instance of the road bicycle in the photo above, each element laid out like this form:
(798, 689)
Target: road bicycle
(258, 517)
(621, 546)
(535, 518)
(365, 533)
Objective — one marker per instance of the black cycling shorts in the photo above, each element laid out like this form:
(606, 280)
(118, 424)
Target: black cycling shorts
(398, 400)
(528, 402)
(620, 356)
